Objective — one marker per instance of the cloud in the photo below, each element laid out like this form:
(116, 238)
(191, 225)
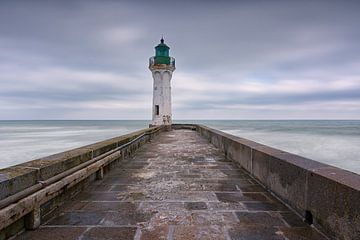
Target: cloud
(121, 35)
(88, 59)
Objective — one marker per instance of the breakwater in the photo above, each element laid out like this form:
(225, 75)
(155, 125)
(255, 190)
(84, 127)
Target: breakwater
(30, 193)
(325, 196)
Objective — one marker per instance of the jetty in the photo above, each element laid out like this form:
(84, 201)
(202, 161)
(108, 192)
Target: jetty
(191, 182)
(177, 181)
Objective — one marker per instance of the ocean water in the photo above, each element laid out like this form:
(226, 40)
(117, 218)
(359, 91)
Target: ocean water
(21, 141)
(333, 142)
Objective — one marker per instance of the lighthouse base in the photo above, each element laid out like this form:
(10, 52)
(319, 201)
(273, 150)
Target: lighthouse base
(165, 127)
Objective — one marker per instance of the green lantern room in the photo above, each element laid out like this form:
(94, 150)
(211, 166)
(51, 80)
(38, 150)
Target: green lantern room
(162, 58)
(162, 53)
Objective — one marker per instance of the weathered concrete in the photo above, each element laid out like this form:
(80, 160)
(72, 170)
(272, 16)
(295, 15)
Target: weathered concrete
(176, 187)
(17, 178)
(32, 192)
(325, 195)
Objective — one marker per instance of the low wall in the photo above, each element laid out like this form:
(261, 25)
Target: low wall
(326, 196)
(32, 191)
(184, 126)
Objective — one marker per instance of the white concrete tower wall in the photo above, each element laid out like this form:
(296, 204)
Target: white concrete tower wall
(161, 114)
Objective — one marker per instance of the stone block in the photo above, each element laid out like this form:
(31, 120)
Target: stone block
(333, 199)
(102, 147)
(77, 219)
(239, 153)
(15, 179)
(12, 230)
(255, 232)
(123, 233)
(58, 163)
(32, 219)
(241, 197)
(260, 165)
(59, 233)
(301, 233)
(264, 218)
(159, 233)
(325, 195)
(195, 205)
(288, 181)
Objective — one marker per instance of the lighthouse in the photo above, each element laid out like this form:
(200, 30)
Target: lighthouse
(162, 66)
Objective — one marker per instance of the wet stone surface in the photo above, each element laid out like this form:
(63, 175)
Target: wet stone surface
(176, 187)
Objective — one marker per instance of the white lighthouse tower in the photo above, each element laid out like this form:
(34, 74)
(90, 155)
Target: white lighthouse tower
(162, 66)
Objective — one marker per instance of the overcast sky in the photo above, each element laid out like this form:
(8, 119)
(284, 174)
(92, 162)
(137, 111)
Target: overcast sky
(235, 59)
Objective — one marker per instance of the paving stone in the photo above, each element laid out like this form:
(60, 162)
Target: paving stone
(133, 196)
(262, 218)
(301, 234)
(215, 187)
(251, 188)
(239, 182)
(264, 206)
(293, 220)
(98, 188)
(73, 205)
(125, 218)
(188, 196)
(211, 232)
(189, 175)
(119, 188)
(121, 180)
(239, 197)
(205, 218)
(195, 206)
(59, 233)
(110, 206)
(185, 232)
(158, 233)
(255, 232)
(178, 186)
(235, 173)
(107, 233)
(99, 196)
(222, 206)
(162, 206)
(171, 218)
(77, 218)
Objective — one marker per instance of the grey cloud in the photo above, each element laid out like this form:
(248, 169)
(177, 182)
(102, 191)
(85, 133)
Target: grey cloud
(228, 42)
(271, 99)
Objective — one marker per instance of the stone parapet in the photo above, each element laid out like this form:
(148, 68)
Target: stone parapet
(325, 196)
(26, 188)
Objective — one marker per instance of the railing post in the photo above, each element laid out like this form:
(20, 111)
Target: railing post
(100, 174)
(32, 220)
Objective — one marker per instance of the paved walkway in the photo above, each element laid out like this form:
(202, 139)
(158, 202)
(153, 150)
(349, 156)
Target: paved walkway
(177, 187)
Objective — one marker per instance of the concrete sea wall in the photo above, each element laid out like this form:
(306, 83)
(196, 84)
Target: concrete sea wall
(325, 196)
(30, 193)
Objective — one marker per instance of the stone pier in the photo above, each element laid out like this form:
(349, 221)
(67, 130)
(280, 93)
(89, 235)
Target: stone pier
(177, 186)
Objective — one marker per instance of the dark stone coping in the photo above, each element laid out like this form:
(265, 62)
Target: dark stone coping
(19, 177)
(324, 195)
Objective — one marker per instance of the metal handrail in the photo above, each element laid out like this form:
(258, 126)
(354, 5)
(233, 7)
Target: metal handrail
(152, 62)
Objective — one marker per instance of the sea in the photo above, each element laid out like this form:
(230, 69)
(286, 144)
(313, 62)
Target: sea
(334, 142)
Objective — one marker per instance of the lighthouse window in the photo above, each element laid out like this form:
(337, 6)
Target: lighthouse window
(157, 109)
